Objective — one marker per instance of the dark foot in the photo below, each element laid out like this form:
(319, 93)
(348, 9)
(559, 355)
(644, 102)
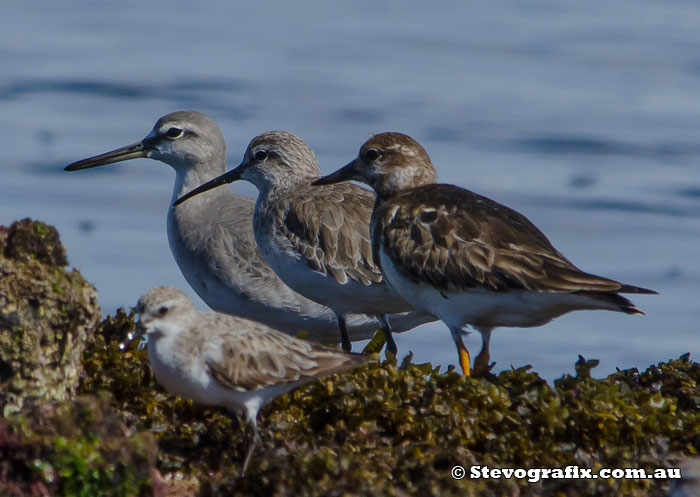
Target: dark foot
(482, 370)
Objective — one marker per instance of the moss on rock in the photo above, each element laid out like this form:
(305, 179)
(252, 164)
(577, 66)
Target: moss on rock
(32, 240)
(74, 448)
(398, 430)
(384, 429)
(46, 316)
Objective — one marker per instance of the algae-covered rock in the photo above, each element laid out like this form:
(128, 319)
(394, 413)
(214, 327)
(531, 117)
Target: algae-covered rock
(74, 448)
(387, 429)
(384, 429)
(46, 316)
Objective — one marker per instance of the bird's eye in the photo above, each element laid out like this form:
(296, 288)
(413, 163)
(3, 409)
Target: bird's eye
(372, 154)
(162, 311)
(174, 133)
(260, 155)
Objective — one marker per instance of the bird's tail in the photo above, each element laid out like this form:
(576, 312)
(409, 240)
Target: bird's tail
(618, 302)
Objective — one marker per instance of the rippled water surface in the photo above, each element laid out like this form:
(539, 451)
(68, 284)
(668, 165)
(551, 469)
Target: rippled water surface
(583, 116)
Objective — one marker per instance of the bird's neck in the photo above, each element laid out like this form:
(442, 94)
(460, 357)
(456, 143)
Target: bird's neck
(401, 180)
(270, 187)
(189, 178)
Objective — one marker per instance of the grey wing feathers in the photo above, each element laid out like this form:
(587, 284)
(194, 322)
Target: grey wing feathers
(329, 227)
(230, 240)
(251, 361)
(456, 239)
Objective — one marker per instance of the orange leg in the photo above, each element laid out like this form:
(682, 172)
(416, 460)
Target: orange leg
(464, 359)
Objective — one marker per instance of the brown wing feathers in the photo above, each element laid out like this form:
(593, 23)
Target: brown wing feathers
(455, 239)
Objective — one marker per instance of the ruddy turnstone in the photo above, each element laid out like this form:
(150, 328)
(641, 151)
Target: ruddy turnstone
(465, 258)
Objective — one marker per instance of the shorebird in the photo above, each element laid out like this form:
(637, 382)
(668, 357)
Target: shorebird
(316, 239)
(466, 258)
(212, 241)
(221, 360)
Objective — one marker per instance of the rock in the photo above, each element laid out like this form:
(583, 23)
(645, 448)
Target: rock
(384, 429)
(75, 447)
(47, 314)
(27, 240)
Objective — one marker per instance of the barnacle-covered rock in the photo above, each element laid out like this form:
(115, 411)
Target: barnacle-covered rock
(46, 316)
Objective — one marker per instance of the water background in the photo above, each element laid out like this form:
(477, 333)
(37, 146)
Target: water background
(583, 116)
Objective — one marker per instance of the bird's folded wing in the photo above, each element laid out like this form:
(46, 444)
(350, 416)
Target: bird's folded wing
(231, 240)
(455, 239)
(243, 362)
(329, 227)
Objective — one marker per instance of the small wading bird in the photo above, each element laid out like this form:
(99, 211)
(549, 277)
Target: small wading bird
(316, 239)
(220, 360)
(463, 257)
(211, 237)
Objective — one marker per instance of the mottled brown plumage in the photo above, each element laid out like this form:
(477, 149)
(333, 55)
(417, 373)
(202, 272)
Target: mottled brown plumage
(454, 239)
(463, 257)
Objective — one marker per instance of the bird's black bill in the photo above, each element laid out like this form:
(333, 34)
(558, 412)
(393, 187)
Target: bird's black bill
(133, 151)
(138, 333)
(345, 173)
(229, 177)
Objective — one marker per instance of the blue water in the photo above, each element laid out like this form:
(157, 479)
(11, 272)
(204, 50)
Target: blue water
(583, 116)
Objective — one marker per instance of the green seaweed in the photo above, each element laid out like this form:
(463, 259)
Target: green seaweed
(74, 448)
(384, 429)
(391, 430)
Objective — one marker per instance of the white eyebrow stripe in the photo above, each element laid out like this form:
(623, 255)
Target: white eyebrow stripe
(403, 149)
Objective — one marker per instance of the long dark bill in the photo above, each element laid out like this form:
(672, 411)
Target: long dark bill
(345, 173)
(133, 151)
(229, 177)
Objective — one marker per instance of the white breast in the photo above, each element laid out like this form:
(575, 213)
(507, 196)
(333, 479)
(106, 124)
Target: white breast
(350, 297)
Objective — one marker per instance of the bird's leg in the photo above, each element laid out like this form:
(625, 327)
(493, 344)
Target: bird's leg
(464, 358)
(390, 343)
(344, 337)
(481, 362)
(254, 443)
